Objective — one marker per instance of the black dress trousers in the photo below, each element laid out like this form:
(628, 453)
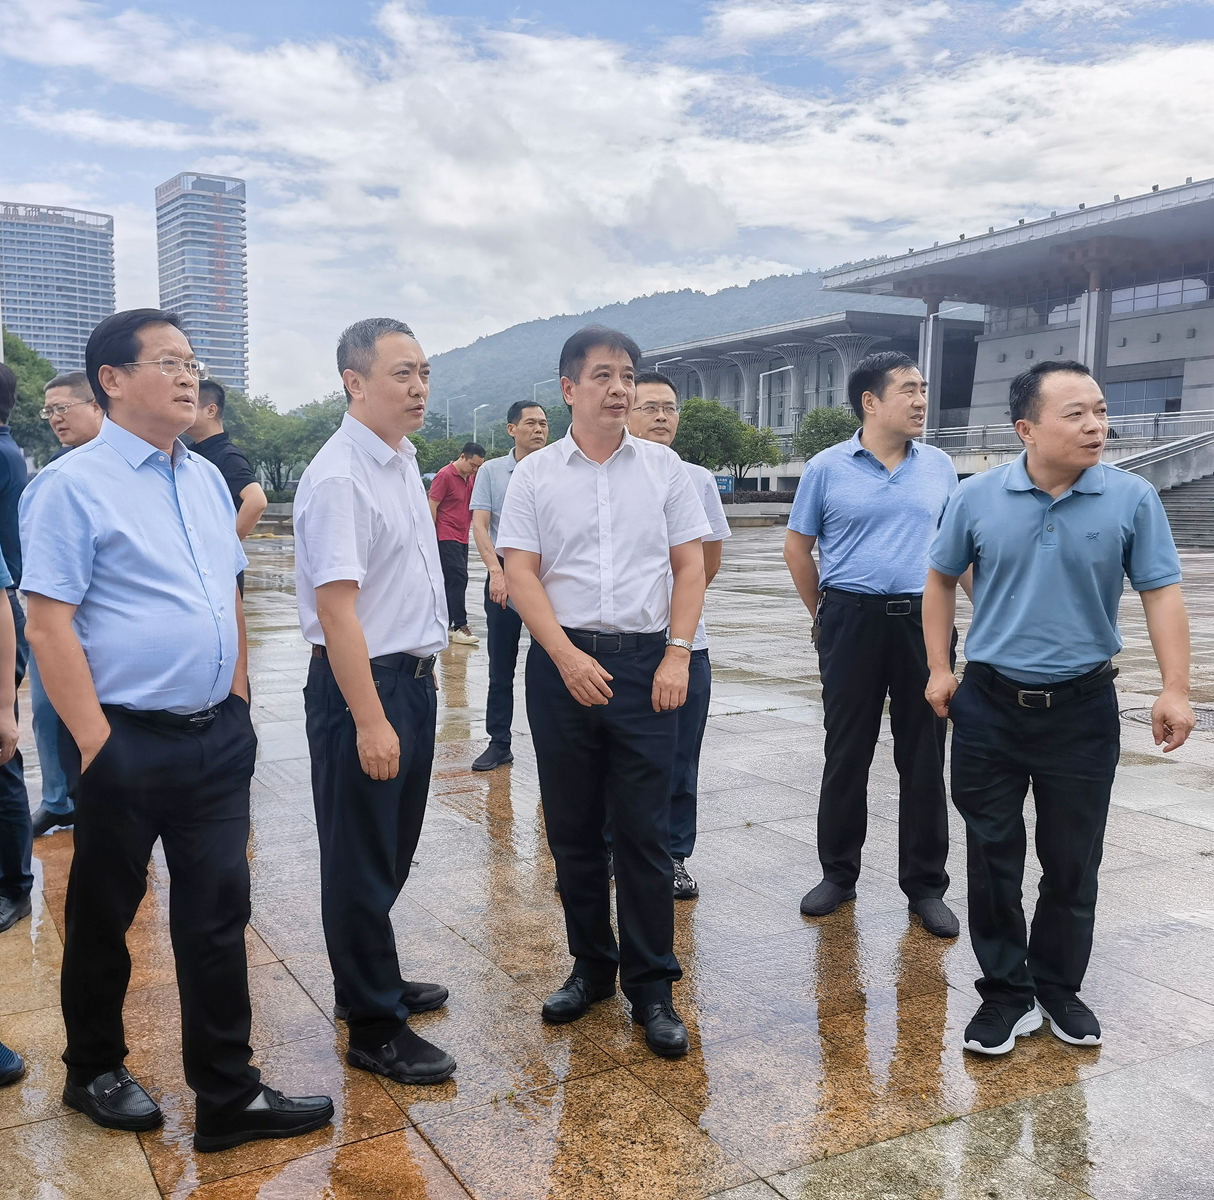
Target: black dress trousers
(610, 762)
(453, 556)
(505, 628)
(190, 788)
(1069, 752)
(368, 831)
(868, 647)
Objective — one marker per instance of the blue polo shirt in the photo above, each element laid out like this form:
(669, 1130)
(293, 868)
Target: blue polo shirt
(1049, 574)
(873, 527)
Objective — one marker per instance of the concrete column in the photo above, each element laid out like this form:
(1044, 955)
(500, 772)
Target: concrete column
(1095, 309)
(931, 364)
(749, 363)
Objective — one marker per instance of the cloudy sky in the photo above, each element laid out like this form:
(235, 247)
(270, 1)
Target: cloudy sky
(469, 164)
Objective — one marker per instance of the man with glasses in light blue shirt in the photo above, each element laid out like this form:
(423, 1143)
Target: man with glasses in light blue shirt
(131, 557)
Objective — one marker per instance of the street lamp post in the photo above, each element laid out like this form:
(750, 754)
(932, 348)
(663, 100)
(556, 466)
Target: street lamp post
(538, 385)
(461, 396)
(474, 412)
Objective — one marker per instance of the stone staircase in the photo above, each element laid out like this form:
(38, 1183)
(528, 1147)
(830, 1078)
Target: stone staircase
(1190, 509)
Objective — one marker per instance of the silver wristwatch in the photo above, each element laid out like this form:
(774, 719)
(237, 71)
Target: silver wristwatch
(682, 643)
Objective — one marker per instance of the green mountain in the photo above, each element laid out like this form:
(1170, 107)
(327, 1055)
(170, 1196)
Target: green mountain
(502, 368)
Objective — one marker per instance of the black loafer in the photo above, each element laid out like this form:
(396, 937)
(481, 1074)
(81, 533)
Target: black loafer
(114, 1100)
(407, 1058)
(43, 819)
(938, 919)
(278, 1116)
(825, 898)
(11, 1065)
(12, 911)
(575, 998)
(665, 1033)
(493, 756)
(418, 998)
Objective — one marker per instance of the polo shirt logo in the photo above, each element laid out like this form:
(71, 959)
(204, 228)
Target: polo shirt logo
(1093, 536)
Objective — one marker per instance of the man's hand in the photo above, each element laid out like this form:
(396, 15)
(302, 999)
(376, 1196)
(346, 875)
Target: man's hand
(585, 677)
(91, 745)
(498, 592)
(379, 750)
(1172, 719)
(8, 735)
(670, 680)
(939, 691)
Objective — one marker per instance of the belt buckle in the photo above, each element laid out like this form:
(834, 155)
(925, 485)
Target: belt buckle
(1022, 699)
(203, 718)
(897, 608)
(594, 643)
(424, 667)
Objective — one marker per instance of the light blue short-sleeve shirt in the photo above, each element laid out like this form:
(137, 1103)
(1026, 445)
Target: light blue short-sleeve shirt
(489, 489)
(1049, 574)
(144, 544)
(873, 527)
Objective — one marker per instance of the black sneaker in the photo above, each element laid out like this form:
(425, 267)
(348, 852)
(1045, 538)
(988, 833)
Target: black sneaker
(1071, 1020)
(407, 1059)
(11, 1065)
(492, 757)
(685, 887)
(996, 1027)
(825, 898)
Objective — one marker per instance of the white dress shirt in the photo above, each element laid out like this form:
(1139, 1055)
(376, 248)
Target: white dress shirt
(361, 513)
(603, 533)
(705, 484)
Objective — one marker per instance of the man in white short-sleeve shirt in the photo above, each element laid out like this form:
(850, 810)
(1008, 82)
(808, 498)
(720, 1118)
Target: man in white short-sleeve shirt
(655, 418)
(371, 601)
(592, 528)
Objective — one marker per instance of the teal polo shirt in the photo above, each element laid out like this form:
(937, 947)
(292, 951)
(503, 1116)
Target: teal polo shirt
(1049, 574)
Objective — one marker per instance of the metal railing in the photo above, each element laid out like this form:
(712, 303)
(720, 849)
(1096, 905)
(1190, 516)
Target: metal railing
(1142, 429)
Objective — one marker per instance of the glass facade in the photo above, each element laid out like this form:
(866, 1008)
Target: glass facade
(1032, 310)
(1183, 283)
(1144, 396)
(200, 235)
(56, 278)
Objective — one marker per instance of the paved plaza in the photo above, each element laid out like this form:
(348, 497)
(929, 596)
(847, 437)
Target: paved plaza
(825, 1058)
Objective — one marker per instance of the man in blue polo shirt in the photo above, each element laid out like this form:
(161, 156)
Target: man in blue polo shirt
(1051, 538)
(871, 505)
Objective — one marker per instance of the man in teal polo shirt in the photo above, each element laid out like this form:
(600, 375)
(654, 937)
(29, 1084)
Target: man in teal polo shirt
(1051, 538)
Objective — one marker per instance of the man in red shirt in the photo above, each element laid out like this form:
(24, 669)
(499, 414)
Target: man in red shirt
(450, 497)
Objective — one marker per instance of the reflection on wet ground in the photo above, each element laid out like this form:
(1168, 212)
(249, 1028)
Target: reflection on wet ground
(825, 1055)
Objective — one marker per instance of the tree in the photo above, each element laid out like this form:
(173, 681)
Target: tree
(560, 417)
(30, 431)
(753, 446)
(821, 428)
(708, 433)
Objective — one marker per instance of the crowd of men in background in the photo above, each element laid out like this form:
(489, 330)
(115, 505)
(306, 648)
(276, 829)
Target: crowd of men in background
(601, 544)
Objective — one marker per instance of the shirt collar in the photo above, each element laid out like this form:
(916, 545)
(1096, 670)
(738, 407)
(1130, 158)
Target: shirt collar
(857, 447)
(569, 447)
(133, 448)
(1017, 478)
(370, 441)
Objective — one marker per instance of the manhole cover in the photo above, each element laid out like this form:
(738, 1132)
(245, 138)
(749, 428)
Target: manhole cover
(1204, 714)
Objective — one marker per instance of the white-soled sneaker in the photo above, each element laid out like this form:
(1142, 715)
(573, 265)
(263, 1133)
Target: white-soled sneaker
(685, 887)
(996, 1027)
(1071, 1020)
(463, 636)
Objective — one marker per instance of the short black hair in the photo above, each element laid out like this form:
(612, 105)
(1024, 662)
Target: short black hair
(1024, 395)
(211, 391)
(871, 375)
(574, 351)
(77, 382)
(8, 391)
(657, 377)
(356, 346)
(473, 450)
(514, 414)
(115, 342)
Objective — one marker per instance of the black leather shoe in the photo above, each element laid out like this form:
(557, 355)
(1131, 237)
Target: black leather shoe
(937, 917)
(271, 1115)
(11, 911)
(575, 998)
(665, 1033)
(44, 820)
(11, 1065)
(493, 756)
(825, 898)
(114, 1100)
(418, 998)
(407, 1058)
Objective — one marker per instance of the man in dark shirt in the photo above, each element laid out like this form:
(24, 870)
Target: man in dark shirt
(215, 445)
(16, 839)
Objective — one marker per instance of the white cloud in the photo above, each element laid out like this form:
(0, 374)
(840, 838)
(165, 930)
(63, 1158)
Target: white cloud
(470, 181)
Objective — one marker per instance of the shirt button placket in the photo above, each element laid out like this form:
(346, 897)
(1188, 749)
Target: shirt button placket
(606, 599)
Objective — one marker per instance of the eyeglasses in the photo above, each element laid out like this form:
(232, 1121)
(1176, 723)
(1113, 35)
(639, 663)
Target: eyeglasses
(652, 410)
(57, 410)
(172, 366)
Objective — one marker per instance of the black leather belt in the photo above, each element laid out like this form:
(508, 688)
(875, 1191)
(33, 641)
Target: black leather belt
(419, 668)
(594, 642)
(892, 606)
(1048, 695)
(194, 722)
